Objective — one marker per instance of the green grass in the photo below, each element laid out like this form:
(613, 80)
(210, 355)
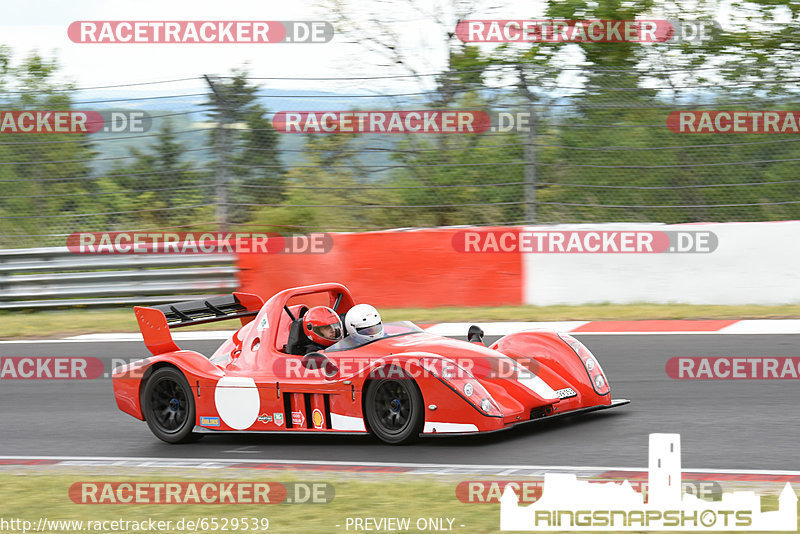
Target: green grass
(57, 323)
(593, 312)
(38, 495)
(32, 493)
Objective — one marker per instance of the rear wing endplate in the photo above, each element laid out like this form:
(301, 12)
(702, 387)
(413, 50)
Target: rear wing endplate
(155, 322)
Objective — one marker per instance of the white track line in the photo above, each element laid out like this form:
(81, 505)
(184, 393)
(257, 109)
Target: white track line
(502, 328)
(746, 326)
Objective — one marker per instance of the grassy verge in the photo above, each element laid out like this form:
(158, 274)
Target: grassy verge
(42, 324)
(33, 494)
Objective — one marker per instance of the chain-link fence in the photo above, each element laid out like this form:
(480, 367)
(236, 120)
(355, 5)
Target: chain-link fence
(596, 147)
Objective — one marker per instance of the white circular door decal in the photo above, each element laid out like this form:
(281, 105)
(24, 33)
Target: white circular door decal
(237, 401)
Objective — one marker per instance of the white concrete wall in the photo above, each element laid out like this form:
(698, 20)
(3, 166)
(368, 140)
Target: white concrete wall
(754, 263)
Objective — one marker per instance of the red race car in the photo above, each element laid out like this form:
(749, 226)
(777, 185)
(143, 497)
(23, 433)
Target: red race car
(397, 383)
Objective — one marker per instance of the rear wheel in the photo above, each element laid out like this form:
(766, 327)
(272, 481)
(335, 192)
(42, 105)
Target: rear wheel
(169, 406)
(394, 409)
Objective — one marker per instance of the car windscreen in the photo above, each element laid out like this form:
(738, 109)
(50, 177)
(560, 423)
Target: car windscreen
(353, 341)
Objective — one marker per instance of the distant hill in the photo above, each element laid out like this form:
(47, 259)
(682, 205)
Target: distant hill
(188, 116)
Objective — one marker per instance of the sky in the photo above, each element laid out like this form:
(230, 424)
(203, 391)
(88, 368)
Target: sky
(42, 25)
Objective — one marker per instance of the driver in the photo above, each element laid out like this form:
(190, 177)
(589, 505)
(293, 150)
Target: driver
(362, 320)
(323, 327)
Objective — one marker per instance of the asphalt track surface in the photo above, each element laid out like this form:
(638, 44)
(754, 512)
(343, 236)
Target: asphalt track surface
(742, 424)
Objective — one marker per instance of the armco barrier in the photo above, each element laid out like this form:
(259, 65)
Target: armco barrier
(753, 263)
(394, 269)
(54, 277)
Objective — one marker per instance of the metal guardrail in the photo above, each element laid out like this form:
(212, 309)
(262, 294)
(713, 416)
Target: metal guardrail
(54, 277)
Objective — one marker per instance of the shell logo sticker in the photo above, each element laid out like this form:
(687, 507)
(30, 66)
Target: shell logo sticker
(318, 418)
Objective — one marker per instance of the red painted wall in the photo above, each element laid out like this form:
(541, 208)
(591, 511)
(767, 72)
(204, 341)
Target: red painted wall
(417, 268)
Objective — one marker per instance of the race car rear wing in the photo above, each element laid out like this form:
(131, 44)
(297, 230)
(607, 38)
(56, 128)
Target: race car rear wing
(155, 322)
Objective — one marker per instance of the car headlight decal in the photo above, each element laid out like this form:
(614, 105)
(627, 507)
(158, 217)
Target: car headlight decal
(596, 375)
(463, 383)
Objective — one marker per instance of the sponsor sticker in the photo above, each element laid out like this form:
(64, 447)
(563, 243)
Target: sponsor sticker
(209, 421)
(264, 418)
(318, 418)
(278, 418)
(298, 419)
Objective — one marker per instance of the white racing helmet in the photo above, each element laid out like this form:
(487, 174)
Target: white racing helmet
(363, 320)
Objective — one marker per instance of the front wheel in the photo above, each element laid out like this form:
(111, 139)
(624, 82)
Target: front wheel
(169, 406)
(394, 409)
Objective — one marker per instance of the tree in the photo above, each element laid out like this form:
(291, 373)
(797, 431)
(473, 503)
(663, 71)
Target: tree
(45, 177)
(245, 147)
(157, 189)
(329, 192)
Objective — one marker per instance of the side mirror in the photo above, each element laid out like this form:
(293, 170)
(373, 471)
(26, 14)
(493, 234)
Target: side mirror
(475, 334)
(318, 361)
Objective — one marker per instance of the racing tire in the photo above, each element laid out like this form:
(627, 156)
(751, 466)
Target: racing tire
(169, 406)
(394, 408)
